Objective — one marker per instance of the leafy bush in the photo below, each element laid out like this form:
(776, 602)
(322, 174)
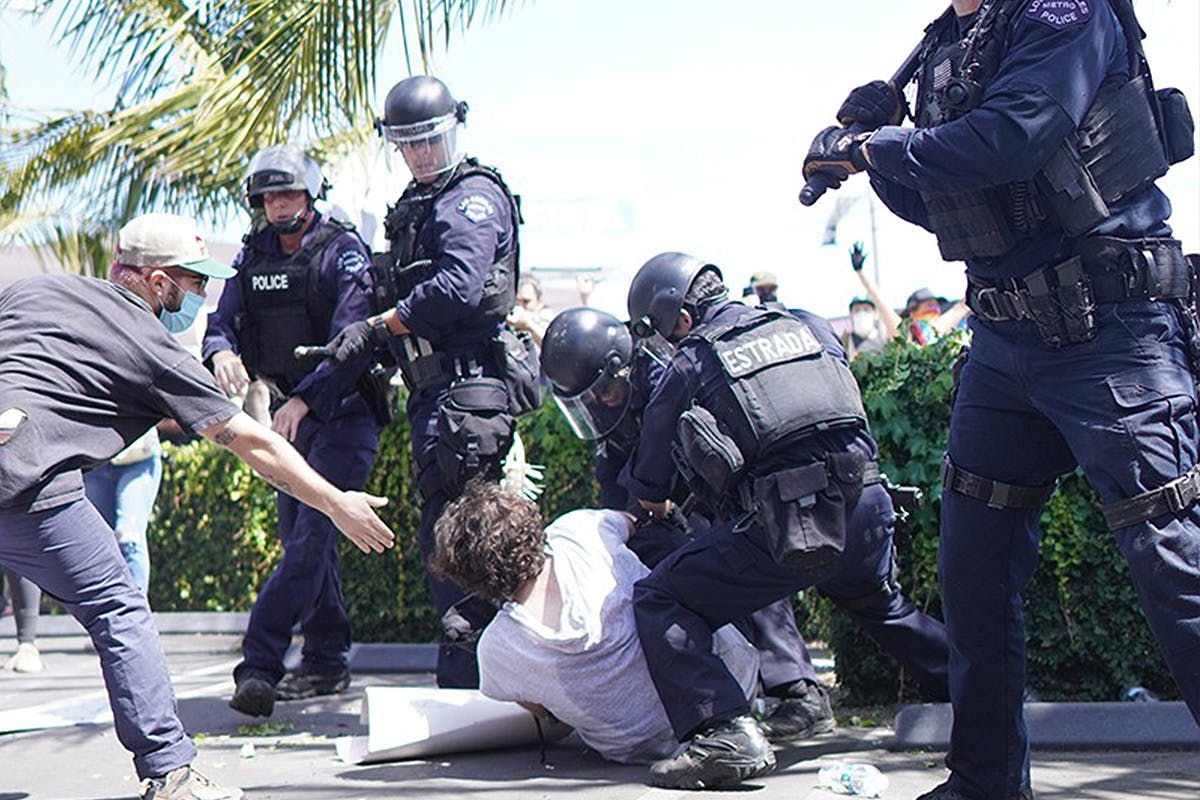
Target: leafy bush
(213, 544)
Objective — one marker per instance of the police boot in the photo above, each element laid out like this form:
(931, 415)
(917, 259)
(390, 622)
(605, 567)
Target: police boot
(944, 792)
(253, 696)
(723, 754)
(304, 684)
(802, 712)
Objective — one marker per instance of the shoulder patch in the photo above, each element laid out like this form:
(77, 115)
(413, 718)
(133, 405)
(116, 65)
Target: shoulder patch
(477, 208)
(1060, 14)
(351, 260)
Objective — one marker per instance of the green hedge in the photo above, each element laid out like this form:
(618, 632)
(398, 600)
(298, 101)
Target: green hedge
(1087, 637)
(213, 544)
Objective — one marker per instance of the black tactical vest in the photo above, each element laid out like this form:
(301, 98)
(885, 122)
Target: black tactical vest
(780, 383)
(408, 261)
(1114, 153)
(283, 306)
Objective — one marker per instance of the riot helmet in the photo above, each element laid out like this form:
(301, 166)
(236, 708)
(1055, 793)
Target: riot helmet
(587, 355)
(658, 291)
(421, 119)
(284, 168)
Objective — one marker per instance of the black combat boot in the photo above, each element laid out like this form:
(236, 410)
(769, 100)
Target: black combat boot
(802, 712)
(723, 754)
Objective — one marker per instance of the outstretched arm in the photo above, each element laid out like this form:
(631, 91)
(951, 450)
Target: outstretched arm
(270, 455)
(891, 320)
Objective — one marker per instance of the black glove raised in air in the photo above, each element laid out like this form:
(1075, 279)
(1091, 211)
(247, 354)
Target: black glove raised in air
(858, 257)
(873, 105)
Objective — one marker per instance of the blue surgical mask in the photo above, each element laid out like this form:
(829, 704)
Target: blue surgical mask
(181, 320)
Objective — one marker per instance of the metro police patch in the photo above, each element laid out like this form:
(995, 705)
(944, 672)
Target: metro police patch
(1060, 14)
(477, 208)
(351, 261)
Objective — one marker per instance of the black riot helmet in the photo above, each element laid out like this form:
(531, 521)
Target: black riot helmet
(421, 119)
(657, 292)
(587, 356)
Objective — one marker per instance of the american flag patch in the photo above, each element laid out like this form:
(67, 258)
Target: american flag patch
(10, 420)
(942, 73)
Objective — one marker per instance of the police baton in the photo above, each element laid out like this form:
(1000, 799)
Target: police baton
(821, 182)
(307, 352)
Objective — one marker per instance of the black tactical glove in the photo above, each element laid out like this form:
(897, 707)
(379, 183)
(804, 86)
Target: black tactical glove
(837, 152)
(358, 338)
(871, 106)
(858, 257)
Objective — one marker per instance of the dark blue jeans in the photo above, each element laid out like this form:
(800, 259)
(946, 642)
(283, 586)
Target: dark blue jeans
(306, 586)
(725, 575)
(1123, 407)
(73, 555)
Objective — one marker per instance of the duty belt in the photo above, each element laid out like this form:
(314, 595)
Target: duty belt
(1061, 298)
(1170, 499)
(744, 493)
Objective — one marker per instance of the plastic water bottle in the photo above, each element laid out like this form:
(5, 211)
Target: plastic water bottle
(843, 777)
(1139, 694)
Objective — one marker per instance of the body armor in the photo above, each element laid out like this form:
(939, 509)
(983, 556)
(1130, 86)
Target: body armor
(1116, 152)
(283, 307)
(780, 384)
(407, 262)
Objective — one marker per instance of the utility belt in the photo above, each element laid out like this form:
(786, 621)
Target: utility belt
(1061, 299)
(423, 367)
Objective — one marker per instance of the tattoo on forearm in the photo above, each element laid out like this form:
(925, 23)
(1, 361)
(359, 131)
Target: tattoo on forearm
(224, 437)
(281, 485)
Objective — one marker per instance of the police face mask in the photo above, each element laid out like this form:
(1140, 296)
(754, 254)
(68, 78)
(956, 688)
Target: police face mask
(182, 318)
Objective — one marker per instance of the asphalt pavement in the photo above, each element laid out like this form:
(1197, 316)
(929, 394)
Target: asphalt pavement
(292, 756)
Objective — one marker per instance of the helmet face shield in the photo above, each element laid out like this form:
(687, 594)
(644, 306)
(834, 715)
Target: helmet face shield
(597, 410)
(657, 348)
(429, 147)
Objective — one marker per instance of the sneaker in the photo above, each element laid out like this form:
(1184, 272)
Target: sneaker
(803, 713)
(944, 792)
(721, 755)
(27, 659)
(186, 783)
(253, 696)
(302, 685)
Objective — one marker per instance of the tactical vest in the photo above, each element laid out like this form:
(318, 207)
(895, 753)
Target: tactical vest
(408, 261)
(1116, 152)
(780, 383)
(283, 306)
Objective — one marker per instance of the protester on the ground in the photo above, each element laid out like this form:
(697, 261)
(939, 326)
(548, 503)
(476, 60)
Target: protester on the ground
(123, 490)
(302, 277)
(602, 381)
(564, 641)
(26, 598)
(1036, 148)
(454, 254)
(86, 367)
(764, 410)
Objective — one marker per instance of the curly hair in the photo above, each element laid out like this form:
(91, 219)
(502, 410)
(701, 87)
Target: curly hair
(489, 541)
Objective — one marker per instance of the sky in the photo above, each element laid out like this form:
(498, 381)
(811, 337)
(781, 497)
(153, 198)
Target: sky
(631, 127)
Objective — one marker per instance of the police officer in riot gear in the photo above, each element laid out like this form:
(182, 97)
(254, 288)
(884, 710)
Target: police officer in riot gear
(444, 289)
(765, 415)
(1038, 140)
(302, 277)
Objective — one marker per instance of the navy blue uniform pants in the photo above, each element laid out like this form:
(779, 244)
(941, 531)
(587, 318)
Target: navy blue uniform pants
(727, 574)
(1123, 407)
(73, 555)
(306, 585)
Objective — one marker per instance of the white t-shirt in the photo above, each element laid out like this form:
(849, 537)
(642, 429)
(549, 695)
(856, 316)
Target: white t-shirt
(591, 672)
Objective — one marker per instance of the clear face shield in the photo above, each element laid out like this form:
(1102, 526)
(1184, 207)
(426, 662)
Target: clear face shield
(597, 410)
(428, 148)
(657, 348)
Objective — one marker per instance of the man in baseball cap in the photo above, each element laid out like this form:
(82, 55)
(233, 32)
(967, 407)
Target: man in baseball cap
(86, 367)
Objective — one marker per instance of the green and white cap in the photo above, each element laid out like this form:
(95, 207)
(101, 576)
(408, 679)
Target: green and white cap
(167, 240)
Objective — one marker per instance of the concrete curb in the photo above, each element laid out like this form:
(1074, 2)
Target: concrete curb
(377, 657)
(1065, 726)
